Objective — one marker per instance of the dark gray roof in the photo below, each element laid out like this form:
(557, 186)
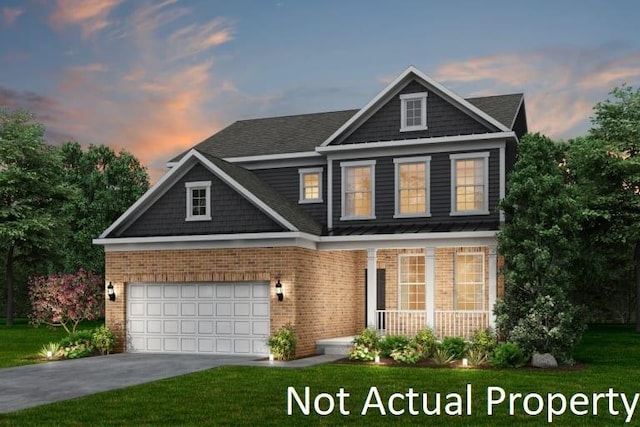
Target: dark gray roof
(300, 133)
(268, 195)
(503, 108)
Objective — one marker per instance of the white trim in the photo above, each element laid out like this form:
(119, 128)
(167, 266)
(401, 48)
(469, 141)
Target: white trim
(422, 97)
(372, 288)
(430, 277)
(268, 157)
(198, 185)
(399, 143)
(310, 171)
(503, 181)
(371, 164)
(329, 194)
(408, 240)
(468, 156)
(426, 160)
(163, 185)
(411, 71)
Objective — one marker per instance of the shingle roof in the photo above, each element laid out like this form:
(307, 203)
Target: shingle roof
(305, 132)
(268, 195)
(503, 108)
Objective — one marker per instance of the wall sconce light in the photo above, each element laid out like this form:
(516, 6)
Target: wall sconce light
(279, 290)
(111, 292)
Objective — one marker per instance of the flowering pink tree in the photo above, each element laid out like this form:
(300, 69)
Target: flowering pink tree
(66, 299)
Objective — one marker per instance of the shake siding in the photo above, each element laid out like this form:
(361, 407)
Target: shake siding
(286, 181)
(443, 119)
(440, 196)
(230, 212)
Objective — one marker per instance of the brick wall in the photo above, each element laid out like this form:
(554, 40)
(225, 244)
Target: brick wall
(323, 291)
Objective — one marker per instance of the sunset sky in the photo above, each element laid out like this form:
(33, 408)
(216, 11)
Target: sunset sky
(156, 77)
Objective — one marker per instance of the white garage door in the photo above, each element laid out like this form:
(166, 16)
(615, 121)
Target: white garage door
(221, 318)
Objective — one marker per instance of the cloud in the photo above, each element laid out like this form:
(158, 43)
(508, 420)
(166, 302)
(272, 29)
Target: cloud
(91, 15)
(10, 15)
(561, 85)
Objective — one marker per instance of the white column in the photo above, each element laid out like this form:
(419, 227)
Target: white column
(430, 273)
(493, 283)
(372, 288)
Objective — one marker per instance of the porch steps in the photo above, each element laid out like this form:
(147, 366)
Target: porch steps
(339, 346)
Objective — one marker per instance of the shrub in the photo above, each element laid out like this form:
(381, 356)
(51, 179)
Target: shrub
(283, 343)
(103, 339)
(454, 346)
(426, 342)
(508, 355)
(366, 345)
(77, 344)
(408, 353)
(441, 356)
(477, 357)
(392, 342)
(51, 351)
(484, 340)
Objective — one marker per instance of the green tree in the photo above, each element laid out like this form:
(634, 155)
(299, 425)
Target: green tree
(31, 194)
(109, 183)
(539, 245)
(616, 123)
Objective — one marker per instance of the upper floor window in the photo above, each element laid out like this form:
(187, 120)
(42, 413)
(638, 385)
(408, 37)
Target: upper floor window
(412, 282)
(198, 201)
(412, 186)
(470, 184)
(413, 111)
(310, 185)
(469, 281)
(358, 189)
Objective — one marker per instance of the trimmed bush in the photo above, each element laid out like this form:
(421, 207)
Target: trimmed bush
(366, 345)
(390, 343)
(103, 339)
(283, 343)
(408, 353)
(426, 342)
(454, 346)
(77, 344)
(508, 355)
(484, 340)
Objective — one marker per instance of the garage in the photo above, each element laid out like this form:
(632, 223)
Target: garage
(216, 318)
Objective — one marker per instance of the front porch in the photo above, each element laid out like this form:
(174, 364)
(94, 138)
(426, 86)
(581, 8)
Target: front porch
(446, 323)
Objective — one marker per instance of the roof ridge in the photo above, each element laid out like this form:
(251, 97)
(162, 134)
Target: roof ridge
(297, 115)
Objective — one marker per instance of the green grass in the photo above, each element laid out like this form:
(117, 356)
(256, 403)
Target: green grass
(258, 396)
(19, 344)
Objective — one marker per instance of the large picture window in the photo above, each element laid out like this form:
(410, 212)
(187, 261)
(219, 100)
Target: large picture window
(412, 186)
(358, 190)
(470, 184)
(469, 281)
(411, 282)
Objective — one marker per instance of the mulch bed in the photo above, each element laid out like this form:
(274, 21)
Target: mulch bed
(457, 364)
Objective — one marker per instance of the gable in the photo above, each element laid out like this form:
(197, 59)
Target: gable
(230, 212)
(443, 119)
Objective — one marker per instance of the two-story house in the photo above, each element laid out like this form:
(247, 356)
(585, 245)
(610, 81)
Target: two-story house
(384, 216)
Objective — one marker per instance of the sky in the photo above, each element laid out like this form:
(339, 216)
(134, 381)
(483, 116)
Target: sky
(155, 77)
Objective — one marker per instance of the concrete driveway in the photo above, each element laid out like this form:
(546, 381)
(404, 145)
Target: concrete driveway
(33, 385)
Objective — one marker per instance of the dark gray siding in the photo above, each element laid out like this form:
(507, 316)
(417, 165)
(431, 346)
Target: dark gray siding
(440, 193)
(230, 212)
(443, 119)
(286, 181)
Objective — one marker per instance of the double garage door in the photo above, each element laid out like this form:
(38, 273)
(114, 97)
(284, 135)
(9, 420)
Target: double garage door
(216, 318)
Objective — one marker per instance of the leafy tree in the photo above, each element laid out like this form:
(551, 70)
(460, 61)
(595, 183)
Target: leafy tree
(66, 300)
(109, 183)
(616, 123)
(31, 192)
(539, 245)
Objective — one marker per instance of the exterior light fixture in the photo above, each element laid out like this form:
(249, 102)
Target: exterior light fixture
(111, 292)
(279, 290)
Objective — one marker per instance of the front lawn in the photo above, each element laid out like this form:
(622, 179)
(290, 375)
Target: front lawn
(258, 396)
(19, 344)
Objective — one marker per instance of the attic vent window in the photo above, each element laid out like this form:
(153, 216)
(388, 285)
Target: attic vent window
(198, 201)
(413, 111)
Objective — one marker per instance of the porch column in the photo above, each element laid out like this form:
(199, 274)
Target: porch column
(430, 276)
(372, 288)
(493, 283)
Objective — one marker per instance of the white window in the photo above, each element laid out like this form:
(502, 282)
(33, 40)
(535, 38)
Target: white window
(198, 201)
(411, 282)
(310, 185)
(469, 281)
(412, 186)
(470, 184)
(358, 190)
(413, 111)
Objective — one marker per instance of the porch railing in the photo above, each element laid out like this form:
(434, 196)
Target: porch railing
(447, 322)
